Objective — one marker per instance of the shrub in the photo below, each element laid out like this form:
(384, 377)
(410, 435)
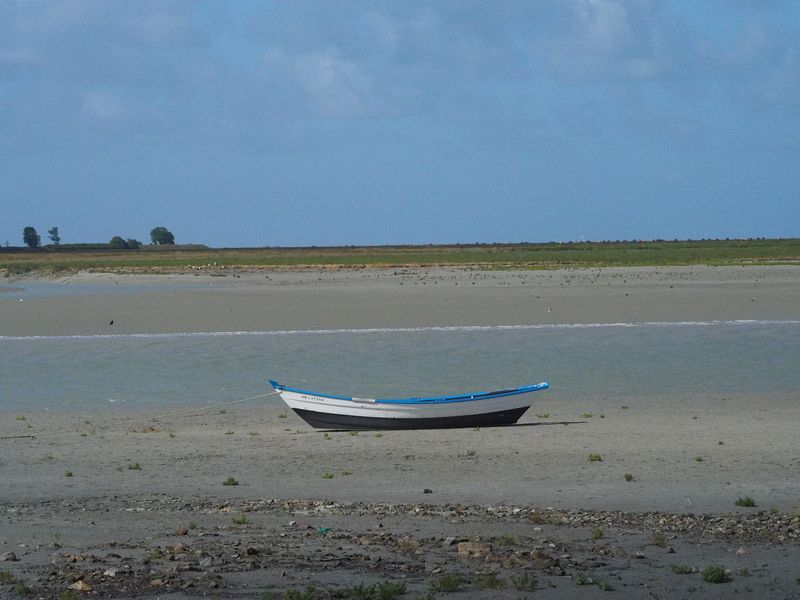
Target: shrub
(746, 501)
(594, 458)
(597, 533)
(230, 481)
(447, 583)
(715, 574)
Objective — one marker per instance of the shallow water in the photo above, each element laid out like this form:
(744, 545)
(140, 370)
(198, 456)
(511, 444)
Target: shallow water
(579, 361)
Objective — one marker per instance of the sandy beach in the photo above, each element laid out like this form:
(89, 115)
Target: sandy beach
(123, 503)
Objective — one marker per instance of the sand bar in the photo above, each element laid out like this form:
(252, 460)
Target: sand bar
(344, 299)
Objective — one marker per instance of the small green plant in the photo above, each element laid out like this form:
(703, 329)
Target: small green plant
(346, 473)
(506, 540)
(240, 520)
(681, 569)
(23, 589)
(698, 459)
(525, 582)
(720, 443)
(545, 415)
(604, 585)
(383, 590)
(68, 473)
(253, 433)
(658, 539)
(715, 574)
(282, 416)
(629, 477)
(84, 434)
(471, 452)
(327, 475)
(229, 432)
(624, 407)
(594, 458)
(597, 533)
(222, 411)
(743, 572)
(586, 415)
(354, 433)
(230, 481)
(134, 467)
(20, 417)
(745, 501)
(6, 577)
(69, 595)
(450, 582)
(172, 435)
(488, 581)
(583, 579)
(378, 434)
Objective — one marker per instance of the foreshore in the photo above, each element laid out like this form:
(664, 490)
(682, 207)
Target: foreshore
(134, 503)
(388, 298)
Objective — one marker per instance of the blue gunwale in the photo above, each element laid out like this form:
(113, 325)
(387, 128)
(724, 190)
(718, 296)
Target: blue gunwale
(432, 400)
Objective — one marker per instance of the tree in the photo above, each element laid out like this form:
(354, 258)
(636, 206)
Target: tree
(117, 243)
(31, 238)
(162, 235)
(133, 244)
(52, 233)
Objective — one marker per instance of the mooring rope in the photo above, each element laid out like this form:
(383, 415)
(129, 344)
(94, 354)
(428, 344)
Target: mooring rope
(210, 407)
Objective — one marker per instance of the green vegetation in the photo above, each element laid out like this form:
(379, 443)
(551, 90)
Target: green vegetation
(169, 257)
(450, 582)
(20, 417)
(594, 458)
(525, 582)
(68, 474)
(586, 415)
(746, 501)
(543, 415)
(134, 467)
(506, 540)
(383, 590)
(488, 581)
(230, 481)
(629, 477)
(681, 569)
(698, 459)
(658, 539)
(715, 574)
(327, 475)
(69, 595)
(240, 520)
(23, 589)
(6, 577)
(597, 533)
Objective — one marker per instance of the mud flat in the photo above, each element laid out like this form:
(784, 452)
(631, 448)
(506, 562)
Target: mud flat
(370, 298)
(135, 504)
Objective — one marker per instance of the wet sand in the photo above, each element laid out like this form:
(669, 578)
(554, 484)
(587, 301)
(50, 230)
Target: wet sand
(370, 298)
(145, 494)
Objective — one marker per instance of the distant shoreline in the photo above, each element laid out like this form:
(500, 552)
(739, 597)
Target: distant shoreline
(533, 256)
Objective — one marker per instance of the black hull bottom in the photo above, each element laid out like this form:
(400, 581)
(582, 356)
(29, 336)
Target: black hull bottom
(329, 421)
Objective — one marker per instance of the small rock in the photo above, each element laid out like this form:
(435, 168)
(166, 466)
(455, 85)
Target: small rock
(8, 556)
(157, 583)
(639, 555)
(473, 550)
(741, 551)
(252, 551)
(449, 541)
(427, 491)
(205, 562)
(179, 548)
(80, 586)
(182, 531)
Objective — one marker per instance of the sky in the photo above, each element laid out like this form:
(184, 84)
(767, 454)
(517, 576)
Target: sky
(339, 122)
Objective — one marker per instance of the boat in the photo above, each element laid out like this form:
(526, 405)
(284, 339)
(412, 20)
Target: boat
(479, 409)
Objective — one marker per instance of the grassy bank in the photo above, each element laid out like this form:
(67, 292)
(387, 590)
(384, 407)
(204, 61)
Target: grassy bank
(550, 255)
